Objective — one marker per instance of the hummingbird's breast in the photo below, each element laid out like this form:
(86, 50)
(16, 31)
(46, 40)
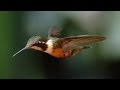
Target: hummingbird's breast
(59, 53)
(55, 49)
(50, 47)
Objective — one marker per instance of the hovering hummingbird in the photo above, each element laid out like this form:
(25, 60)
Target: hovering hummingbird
(61, 47)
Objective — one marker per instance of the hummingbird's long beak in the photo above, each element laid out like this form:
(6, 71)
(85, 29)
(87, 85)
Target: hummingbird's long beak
(19, 51)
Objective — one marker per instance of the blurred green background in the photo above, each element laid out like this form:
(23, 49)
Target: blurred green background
(100, 62)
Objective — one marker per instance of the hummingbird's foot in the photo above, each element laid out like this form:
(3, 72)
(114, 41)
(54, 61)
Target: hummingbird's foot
(76, 51)
(86, 47)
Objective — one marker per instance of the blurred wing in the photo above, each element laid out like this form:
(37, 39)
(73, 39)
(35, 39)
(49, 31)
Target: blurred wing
(54, 31)
(75, 42)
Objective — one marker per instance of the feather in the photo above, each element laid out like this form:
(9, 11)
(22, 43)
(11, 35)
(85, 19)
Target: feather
(75, 42)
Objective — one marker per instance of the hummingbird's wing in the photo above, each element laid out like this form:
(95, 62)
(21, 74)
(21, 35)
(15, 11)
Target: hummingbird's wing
(54, 31)
(81, 41)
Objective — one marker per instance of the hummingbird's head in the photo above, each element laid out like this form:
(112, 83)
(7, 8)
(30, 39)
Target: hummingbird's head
(35, 42)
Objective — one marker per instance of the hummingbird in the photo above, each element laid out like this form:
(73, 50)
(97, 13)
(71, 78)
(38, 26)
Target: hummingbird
(61, 47)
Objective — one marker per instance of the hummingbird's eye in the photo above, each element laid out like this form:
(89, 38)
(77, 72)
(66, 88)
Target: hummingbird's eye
(39, 42)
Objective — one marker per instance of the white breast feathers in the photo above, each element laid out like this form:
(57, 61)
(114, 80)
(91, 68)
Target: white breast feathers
(50, 46)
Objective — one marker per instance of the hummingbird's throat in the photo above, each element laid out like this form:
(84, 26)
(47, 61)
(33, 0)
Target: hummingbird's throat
(41, 46)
